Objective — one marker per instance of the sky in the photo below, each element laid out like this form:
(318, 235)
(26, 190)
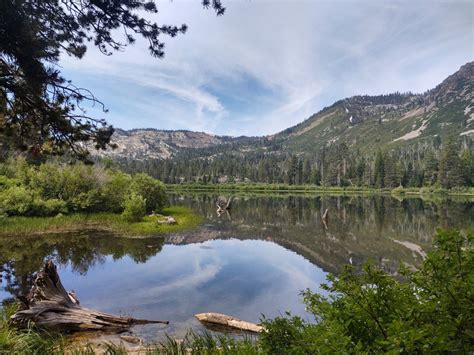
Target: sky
(267, 65)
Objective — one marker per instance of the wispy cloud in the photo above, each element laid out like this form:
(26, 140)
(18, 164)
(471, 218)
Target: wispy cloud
(267, 65)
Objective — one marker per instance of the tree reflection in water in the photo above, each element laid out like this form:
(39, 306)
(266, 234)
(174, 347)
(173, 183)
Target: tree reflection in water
(359, 228)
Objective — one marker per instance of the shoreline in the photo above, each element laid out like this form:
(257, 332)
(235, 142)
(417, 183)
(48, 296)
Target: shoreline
(314, 189)
(101, 222)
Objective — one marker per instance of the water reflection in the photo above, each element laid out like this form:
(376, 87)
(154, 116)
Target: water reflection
(359, 227)
(254, 259)
(21, 257)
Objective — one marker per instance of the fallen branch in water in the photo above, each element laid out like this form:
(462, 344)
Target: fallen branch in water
(50, 306)
(228, 321)
(325, 218)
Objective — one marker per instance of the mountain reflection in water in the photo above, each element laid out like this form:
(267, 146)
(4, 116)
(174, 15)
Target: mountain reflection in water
(252, 260)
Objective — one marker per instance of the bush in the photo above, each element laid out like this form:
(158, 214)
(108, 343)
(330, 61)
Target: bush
(114, 192)
(134, 208)
(50, 207)
(51, 188)
(16, 200)
(430, 311)
(6, 183)
(152, 190)
(19, 201)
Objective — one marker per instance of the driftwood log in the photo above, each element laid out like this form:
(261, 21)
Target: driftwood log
(50, 306)
(168, 220)
(325, 218)
(228, 321)
(224, 205)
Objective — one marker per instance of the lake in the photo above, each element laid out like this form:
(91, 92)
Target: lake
(253, 260)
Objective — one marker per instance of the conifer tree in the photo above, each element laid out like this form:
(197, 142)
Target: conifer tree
(306, 171)
(467, 162)
(430, 175)
(379, 170)
(450, 169)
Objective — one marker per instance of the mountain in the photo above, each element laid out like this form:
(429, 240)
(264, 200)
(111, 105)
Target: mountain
(149, 143)
(370, 122)
(363, 123)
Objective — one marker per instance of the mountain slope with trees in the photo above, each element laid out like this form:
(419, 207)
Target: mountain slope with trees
(408, 140)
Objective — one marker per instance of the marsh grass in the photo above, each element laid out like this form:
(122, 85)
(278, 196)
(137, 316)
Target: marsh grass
(110, 222)
(202, 343)
(26, 341)
(316, 189)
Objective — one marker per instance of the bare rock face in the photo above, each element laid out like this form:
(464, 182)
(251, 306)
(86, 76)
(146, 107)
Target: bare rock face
(141, 144)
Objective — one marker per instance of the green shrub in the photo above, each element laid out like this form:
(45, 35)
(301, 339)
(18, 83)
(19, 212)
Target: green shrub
(50, 207)
(114, 192)
(17, 200)
(134, 208)
(430, 311)
(52, 188)
(152, 190)
(6, 183)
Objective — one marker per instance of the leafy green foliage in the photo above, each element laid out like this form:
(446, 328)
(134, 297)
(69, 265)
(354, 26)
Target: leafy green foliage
(52, 188)
(134, 208)
(152, 190)
(430, 310)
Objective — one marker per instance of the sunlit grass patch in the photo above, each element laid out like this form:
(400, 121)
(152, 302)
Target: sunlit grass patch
(111, 222)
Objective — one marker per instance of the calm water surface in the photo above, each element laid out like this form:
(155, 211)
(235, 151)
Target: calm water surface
(254, 260)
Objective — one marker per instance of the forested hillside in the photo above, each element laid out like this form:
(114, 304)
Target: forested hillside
(399, 139)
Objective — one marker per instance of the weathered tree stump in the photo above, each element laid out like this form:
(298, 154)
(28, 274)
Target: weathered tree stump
(223, 204)
(50, 306)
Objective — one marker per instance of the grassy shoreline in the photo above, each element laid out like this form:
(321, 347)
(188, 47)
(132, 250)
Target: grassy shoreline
(285, 188)
(109, 222)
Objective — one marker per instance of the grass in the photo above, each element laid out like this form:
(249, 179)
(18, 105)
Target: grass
(110, 222)
(26, 341)
(285, 188)
(32, 341)
(204, 343)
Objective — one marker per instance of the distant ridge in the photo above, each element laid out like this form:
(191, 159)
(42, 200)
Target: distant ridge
(363, 122)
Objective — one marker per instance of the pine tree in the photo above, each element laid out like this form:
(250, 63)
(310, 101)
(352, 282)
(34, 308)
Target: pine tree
(430, 162)
(293, 170)
(392, 175)
(306, 171)
(379, 170)
(467, 162)
(450, 169)
(360, 171)
(300, 172)
(315, 177)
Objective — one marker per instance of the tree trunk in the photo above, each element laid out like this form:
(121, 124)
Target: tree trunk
(50, 306)
(228, 321)
(325, 218)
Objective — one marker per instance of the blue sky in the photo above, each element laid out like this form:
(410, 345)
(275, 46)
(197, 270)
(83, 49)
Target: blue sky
(269, 64)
